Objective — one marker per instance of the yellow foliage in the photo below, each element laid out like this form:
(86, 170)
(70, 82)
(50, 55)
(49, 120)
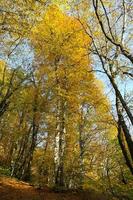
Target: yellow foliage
(62, 43)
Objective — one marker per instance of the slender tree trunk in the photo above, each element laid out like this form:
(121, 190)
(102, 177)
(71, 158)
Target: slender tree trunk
(60, 129)
(109, 179)
(124, 150)
(121, 134)
(22, 165)
(60, 145)
(118, 95)
(17, 167)
(127, 134)
(81, 146)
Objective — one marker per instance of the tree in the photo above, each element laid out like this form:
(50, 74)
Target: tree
(11, 80)
(108, 44)
(61, 48)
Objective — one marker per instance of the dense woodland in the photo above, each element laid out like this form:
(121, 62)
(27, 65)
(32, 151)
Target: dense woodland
(66, 97)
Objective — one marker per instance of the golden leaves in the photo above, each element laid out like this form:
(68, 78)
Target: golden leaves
(63, 43)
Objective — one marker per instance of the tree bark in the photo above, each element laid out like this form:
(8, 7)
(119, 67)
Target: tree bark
(60, 145)
(121, 133)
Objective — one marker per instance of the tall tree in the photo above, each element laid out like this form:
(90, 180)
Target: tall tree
(61, 47)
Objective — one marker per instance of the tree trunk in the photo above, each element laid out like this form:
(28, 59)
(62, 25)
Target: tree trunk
(22, 165)
(124, 150)
(122, 131)
(60, 144)
(118, 95)
(81, 146)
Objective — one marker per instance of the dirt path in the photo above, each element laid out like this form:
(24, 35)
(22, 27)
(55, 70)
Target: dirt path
(10, 189)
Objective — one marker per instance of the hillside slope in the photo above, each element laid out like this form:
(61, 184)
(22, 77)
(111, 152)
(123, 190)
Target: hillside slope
(11, 189)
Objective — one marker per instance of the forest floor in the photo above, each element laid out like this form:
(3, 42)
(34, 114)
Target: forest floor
(11, 189)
